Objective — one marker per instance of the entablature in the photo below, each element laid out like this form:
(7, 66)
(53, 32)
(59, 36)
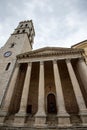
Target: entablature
(50, 53)
(51, 58)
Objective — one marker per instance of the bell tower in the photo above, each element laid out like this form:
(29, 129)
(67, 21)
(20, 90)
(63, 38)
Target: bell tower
(20, 41)
(22, 38)
(26, 28)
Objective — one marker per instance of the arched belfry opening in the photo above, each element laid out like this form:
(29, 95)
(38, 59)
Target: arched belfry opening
(51, 104)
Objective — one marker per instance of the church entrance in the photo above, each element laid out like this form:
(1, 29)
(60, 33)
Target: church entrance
(51, 104)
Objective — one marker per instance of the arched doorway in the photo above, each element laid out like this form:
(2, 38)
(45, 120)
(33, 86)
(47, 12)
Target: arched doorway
(51, 104)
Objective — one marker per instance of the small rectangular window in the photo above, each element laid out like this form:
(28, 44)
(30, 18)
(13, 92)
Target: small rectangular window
(8, 65)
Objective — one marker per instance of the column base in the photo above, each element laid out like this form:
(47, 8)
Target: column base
(2, 119)
(3, 115)
(40, 121)
(83, 115)
(20, 119)
(63, 119)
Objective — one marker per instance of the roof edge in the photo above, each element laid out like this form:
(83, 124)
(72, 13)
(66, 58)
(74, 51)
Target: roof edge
(82, 42)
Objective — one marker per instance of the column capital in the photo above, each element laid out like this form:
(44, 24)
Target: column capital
(81, 59)
(68, 60)
(29, 63)
(17, 64)
(55, 61)
(41, 62)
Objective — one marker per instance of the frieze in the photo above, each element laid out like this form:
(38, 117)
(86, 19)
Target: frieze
(50, 52)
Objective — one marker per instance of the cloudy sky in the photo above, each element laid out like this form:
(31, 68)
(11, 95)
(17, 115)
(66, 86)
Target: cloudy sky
(56, 22)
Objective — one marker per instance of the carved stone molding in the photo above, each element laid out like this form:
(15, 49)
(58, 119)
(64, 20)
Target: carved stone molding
(45, 52)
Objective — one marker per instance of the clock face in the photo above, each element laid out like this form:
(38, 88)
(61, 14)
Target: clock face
(7, 54)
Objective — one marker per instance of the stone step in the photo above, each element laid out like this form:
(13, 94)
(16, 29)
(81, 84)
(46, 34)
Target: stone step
(52, 120)
(30, 120)
(75, 119)
(32, 128)
(9, 119)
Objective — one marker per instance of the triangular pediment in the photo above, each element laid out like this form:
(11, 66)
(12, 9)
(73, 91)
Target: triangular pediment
(49, 51)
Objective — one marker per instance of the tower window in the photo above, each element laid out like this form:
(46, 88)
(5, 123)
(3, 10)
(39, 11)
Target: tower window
(18, 31)
(12, 45)
(23, 31)
(21, 25)
(8, 65)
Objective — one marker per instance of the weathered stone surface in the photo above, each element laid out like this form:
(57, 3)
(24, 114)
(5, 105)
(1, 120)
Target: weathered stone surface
(48, 128)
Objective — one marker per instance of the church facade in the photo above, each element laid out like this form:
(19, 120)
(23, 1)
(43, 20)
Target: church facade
(44, 88)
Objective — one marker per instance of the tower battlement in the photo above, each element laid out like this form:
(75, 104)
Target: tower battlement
(26, 27)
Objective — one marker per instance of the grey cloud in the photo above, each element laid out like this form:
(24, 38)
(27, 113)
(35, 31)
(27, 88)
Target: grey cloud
(56, 21)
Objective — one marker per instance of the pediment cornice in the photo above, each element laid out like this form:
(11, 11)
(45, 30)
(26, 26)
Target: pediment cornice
(50, 51)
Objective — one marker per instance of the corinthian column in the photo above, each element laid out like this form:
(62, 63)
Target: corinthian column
(63, 116)
(20, 116)
(40, 117)
(77, 91)
(82, 69)
(6, 104)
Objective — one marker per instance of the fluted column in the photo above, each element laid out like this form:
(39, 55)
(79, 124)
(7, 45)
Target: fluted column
(6, 104)
(40, 117)
(24, 98)
(63, 116)
(77, 91)
(82, 69)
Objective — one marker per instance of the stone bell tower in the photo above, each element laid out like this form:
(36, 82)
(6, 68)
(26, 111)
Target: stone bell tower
(20, 41)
